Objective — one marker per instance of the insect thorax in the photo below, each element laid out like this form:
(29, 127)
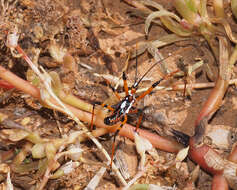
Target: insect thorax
(121, 110)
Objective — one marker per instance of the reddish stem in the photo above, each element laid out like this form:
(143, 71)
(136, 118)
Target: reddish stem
(219, 183)
(6, 85)
(19, 83)
(202, 156)
(127, 131)
(198, 153)
(214, 100)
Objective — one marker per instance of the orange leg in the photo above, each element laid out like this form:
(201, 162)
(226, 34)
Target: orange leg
(139, 121)
(93, 113)
(133, 90)
(154, 85)
(108, 107)
(132, 111)
(125, 84)
(149, 90)
(140, 117)
(115, 135)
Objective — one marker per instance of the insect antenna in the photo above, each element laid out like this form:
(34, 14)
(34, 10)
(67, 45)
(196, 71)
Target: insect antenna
(135, 85)
(136, 67)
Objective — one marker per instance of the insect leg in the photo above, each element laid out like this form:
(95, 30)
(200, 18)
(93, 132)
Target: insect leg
(155, 84)
(112, 88)
(140, 112)
(113, 148)
(125, 84)
(149, 90)
(115, 135)
(93, 112)
(139, 120)
(108, 107)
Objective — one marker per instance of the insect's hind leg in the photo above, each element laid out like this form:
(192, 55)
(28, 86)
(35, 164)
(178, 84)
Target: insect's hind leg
(115, 135)
(113, 147)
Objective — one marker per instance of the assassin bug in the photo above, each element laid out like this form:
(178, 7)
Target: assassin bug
(127, 105)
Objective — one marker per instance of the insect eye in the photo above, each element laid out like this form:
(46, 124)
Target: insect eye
(107, 121)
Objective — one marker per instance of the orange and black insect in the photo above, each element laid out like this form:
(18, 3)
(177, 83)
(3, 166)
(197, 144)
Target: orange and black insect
(127, 105)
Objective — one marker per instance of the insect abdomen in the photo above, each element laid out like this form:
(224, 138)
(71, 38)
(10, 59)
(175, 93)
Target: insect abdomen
(111, 120)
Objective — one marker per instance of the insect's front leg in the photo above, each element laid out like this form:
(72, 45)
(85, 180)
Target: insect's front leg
(93, 112)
